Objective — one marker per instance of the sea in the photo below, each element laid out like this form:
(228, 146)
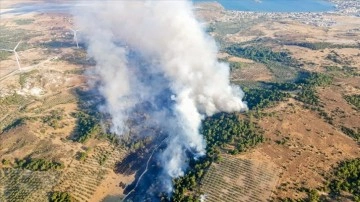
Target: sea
(239, 5)
(275, 5)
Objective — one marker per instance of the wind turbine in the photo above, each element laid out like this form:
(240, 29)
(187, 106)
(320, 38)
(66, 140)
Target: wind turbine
(15, 53)
(75, 37)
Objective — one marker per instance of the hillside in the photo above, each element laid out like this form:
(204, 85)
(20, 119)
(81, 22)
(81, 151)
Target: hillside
(301, 83)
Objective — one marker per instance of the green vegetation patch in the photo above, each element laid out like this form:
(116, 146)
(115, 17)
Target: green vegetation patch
(281, 64)
(262, 98)
(232, 27)
(282, 72)
(352, 71)
(5, 162)
(187, 188)
(318, 79)
(87, 126)
(336, 58)
(345, 70)
(25, 185)
(312, 196)
(318, 45)
(304, 44)
(15, 123)
(351, 133)
(261, 54)
(24, 21)
(4, 54)
(10, 37)
(346, 178)
(75, 71)
(236, 65)
(61, 197)
(220, 131)
(78, 57)
(38, 164)
(308, 94)
(81, 156)
(304, 89)
(283, 86)
(14, 99)
(343, 184)
(25, 76)
(54, 118)
(354, 100)
(111, 138)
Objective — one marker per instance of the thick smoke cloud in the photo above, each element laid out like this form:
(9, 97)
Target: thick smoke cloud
(146, 48)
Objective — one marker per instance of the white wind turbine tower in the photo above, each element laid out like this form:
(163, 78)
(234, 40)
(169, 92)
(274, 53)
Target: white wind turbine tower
(15, 53)
(75, 36)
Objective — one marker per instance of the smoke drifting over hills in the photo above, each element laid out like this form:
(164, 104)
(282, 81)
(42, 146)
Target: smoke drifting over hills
(156, 52)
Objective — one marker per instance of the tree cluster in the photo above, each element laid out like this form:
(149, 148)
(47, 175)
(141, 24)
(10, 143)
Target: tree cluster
(261, 54)
(312, 196)
(186, 188)
(17, 122)
(318, 45)
(351, 133)
(87, 126)
(283, 86)
(54, 118)
(262, 98)
(343, 182)
(61, 197)
(222, 129)
(354, 100)
(219, 131)
(38, 164)
(14, 99)
(346, 177)
(308, 94)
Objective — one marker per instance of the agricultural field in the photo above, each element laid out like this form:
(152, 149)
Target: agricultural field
(298, 140)
(234, 179)
(25, 185)
(302, 90)
(40, 157)
(91, 174)
(85, 179)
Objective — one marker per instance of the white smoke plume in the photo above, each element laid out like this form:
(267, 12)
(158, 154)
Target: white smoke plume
(174, 45)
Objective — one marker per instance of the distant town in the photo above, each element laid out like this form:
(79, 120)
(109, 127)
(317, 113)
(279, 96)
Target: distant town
(319, 19)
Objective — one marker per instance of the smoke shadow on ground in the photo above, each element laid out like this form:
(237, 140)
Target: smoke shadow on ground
(147, 185)
(78, 58)
(149, 122)
(132, 163)
(112, 198)
(58, 44)
(153, 182)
